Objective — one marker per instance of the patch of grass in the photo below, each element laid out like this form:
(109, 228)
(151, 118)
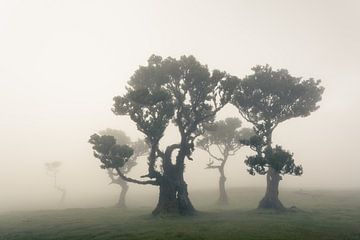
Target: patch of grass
(331, 215)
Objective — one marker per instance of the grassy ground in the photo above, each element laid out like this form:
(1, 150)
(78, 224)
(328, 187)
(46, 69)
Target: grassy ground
(320, 215)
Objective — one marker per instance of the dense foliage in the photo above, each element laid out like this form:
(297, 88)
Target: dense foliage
(265, 99)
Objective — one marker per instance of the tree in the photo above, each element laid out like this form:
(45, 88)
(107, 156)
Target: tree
(225, 135)
(184, 93)
(52, 169)
(267, 98)
(140, 149)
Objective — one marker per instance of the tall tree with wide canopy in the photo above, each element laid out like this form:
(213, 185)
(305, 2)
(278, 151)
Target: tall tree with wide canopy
(225, 136)
(140, 149)
(184, 93)
(267, 98)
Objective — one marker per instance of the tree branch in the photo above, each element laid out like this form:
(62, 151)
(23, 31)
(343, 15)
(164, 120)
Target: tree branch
(233, 152)
(212, 167)
(213, 156)
(151, 182)
(170, 149)
(220, 149)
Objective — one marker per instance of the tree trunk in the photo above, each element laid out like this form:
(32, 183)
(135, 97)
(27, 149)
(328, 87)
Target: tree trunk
(271, 198)
(60, 189)
(173, 196)
(167, 202)
(185, 205)
(223, 198)
(122, 198)
(63, 195)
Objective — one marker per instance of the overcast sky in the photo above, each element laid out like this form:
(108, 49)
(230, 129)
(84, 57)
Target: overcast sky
(62, 62)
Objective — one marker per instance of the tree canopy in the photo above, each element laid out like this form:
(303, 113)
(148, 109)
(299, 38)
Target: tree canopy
(111, 155)
(118, 154)
(120, 136)
(183, 92)
(225, 135)
(140, 147)
(180, 91)
(267, 98)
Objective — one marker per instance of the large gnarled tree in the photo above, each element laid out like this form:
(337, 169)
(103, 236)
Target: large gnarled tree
(267, 98)
(182, 92)
(140, 149)
(222, 140)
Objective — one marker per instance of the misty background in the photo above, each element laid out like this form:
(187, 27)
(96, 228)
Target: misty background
(62, 62)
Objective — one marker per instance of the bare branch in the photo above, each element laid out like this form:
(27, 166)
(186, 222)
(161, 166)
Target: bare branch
(148, 182)
(220, 149)
(213, 156)
(213, 167)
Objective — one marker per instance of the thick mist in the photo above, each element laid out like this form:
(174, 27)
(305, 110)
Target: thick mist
(62, 62)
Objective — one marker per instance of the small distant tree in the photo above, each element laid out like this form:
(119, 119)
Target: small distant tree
(52, 169)
(266, 99)
(225, 136)
(183, 92)
(140, 149)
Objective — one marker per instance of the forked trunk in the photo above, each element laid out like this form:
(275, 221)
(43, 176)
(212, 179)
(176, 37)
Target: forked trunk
(271, 198)
(223, 198)
(122, 198)
(173, 195)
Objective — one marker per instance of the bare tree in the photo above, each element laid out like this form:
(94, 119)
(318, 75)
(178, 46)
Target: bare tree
(52, 169)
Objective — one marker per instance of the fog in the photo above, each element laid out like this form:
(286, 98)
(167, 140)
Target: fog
(62, 62)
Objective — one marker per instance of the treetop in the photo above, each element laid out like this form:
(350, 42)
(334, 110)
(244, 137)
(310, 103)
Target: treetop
(272, 96)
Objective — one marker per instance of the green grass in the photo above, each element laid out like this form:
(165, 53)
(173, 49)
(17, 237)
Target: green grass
(320, 215)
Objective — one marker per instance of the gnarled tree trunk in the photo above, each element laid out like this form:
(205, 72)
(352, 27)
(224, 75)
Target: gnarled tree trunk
(167, 202)
(173, 195)
(271, 198)
(185, 205)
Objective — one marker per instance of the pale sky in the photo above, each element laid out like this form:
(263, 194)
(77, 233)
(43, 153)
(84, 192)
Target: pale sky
(62, 62)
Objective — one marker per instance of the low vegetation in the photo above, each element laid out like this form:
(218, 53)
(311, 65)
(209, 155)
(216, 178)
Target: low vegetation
(318, 215)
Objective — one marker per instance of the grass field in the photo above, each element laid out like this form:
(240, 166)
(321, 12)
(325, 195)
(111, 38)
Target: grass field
(319, 215)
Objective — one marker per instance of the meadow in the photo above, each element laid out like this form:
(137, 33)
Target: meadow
(319, 214)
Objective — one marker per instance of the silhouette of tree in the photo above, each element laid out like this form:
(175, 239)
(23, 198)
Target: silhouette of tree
(267, 98)
(52, 169)
(183, 92)
(225, 136)
(140, 149)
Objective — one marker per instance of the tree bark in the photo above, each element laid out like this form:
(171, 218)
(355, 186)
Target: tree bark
(173, 197)
(122, 198)
(185, 205)
(271, 198)
(167, 203)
